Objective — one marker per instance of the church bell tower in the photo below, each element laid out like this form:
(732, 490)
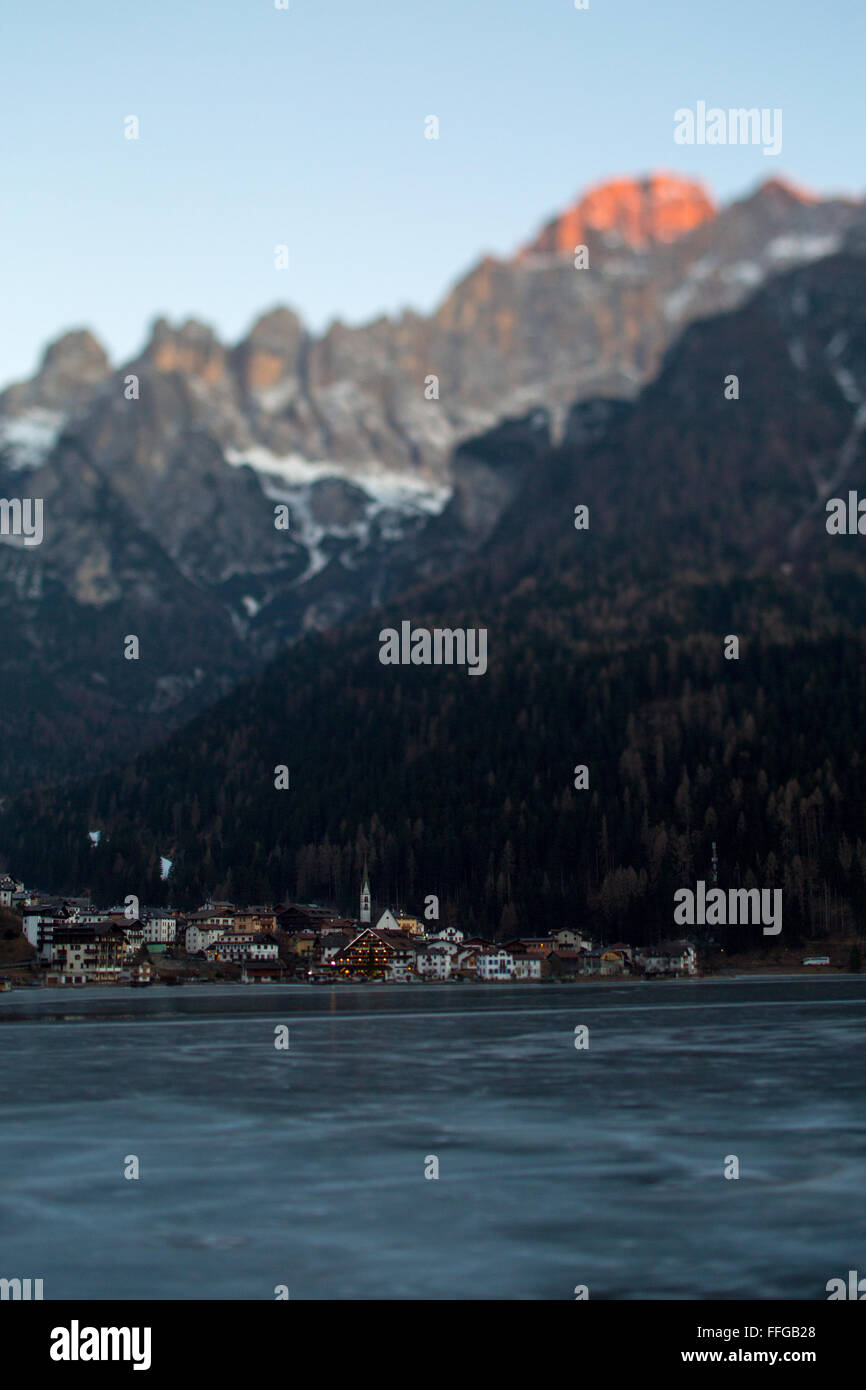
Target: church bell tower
(365, 896)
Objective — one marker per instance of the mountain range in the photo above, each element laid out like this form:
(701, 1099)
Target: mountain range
(160, 476)
(609, 649)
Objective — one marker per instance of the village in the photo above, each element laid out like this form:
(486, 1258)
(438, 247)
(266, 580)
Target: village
(72, 943)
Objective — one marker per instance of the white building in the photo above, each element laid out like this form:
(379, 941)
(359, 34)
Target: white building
(39, 925)
(668, 958)
(453, 948)
(159, 931)
(434, 962)
(240, 946)
(495, 965)
(8, 886)
(388, 922)
(452, 934)
(198, 938)
(572, 936)
(399, 971)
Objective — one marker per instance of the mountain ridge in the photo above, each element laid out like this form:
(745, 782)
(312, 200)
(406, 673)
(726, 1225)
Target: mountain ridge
(606, 648)
(185, 454)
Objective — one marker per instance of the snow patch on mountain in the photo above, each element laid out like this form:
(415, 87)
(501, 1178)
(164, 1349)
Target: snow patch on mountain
(389, 502)
(28, 439)
(802, 248)
(385, 486)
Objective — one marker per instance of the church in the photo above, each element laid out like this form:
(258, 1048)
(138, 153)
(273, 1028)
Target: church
(390, 920)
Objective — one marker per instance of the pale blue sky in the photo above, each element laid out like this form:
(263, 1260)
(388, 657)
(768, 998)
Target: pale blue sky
(306, 127)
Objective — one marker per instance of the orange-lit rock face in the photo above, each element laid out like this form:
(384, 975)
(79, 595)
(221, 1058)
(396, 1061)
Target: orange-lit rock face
(263, 369)
(179, 357)
(192, 349)
(660, 208)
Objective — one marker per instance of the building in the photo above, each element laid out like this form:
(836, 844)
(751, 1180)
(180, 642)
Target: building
(373, 953)
(468, 955)
(433, 962)
(574, 938)
(160, 929)
(39, 924)
(496, 964)
(256, 919)
(682, 956)
(411, 925)
(331, 943)
(452, 947)
(89, 914)
(294, 917)
(88, 953)
(611, 962)
(263, 972)
(668, 958)
(197, 936)
(304, 943)
(216, 915)
(234, 947)
(133, 935)
(388, 921)
(540, 946)
(400, 972)
(8, 887)
(564, 964)
(366, 900)
(624, 949)
(448, 934)
(526, 966)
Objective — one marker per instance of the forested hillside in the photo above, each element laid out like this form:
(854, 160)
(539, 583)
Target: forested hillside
(606, 648)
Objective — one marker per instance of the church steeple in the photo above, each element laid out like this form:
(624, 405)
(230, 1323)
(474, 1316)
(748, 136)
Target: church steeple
(366, 902)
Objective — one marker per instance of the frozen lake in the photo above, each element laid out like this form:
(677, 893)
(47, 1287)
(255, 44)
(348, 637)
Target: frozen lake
(557, 1167)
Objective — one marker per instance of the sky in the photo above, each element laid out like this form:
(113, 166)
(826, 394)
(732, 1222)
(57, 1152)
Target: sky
(305, 127)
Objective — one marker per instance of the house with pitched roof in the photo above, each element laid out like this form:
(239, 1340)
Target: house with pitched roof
(433, 961)
(373, 953)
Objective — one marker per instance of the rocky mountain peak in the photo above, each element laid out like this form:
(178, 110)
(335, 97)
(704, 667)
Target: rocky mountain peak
(785, 190)
(278, 330)
(76, 354)
(71, 367)
(638, 211)
(270, 350)
(193, 349)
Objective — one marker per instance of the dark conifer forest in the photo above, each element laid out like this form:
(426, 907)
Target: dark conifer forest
(606, 648)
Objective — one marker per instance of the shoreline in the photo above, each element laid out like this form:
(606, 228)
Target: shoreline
(162, 986)
(767, 975)
(119, 992)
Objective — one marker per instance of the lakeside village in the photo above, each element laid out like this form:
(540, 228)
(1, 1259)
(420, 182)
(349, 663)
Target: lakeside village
(68, 942)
